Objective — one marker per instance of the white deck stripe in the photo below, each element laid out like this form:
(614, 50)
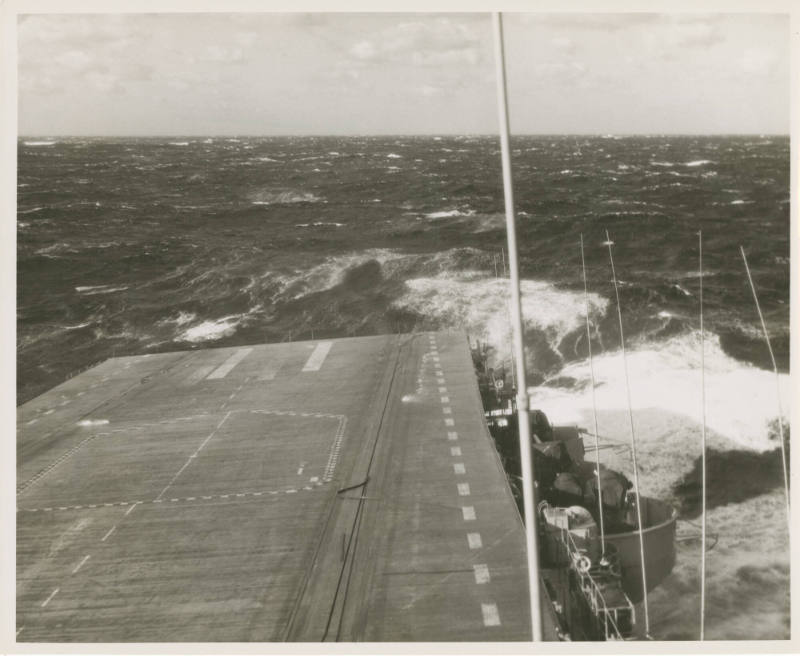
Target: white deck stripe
(490, 615)
(463, 489)
(440, 380)
(474, 540)
(447, 410)
(318, 356)
(445, 399)
(481, 574)
(459, 468)
(452, 435)
(469, 513)
(81, 564)
(449, 422)
(52, 594)
(225, 368)
(455, 450)
(198, 374)
(106, 536)
(442, 390)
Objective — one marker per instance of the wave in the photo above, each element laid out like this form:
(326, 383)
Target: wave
(740, 398)
(178, 143)
(449, 213)
(40, 143)
(211, 329)
(479, 304)
(30, 211)
(98, 289)
(283, 197)
(698, 162)
(319, 224)
(394, 156)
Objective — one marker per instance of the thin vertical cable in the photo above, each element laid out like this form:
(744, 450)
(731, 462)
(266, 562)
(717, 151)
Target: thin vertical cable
(703, 459)
(777, 389)
(633, 441)
(516, 308)
(510, 329)
(594, 406)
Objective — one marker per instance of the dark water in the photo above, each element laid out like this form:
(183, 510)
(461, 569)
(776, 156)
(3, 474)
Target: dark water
(142, 245)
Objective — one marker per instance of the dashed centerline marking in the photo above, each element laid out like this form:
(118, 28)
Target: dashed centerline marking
(52, 594)
(455, 450)
(469, 513)
(463, 489)
(452, 435)
(449, 422)
(134, 504)
(447, 410)
(107, 535)
(445, 399)
(459, 468)
(491, 617)
(440, 380)
(474, 540)
(442, 390)
(481, 574)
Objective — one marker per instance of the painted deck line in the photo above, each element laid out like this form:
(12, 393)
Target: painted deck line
(474, 540)
(445, 399)
(469, 513)
(463, 489)
(452, 435)
(491, 616)
(198, 374)
(449, 422)
(459, 468)
(225, 368)
(107, 535)
(440, 380)
(481, 574)
(52, 594)
(271, 370)
(442, 390)
(317, 357)
(455, 450)
(81, 564)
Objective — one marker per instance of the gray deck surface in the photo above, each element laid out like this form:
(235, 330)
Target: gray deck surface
(200, 496)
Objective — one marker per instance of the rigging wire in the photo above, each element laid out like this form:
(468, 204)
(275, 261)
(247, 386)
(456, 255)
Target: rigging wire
(609, 243)
(594, 407)
(703, 444)
(778, 390)
(510, 336)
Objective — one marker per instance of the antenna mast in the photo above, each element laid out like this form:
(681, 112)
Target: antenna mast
(594, 406)
(703, 460)
(519, 352)
(633, 441)
(778, 390)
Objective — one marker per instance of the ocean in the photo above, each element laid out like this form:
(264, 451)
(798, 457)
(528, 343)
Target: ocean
(132, 245)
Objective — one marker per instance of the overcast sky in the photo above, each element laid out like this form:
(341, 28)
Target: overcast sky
(197, 74)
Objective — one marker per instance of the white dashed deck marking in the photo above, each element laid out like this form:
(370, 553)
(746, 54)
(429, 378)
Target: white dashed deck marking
(317, 356)
(447, 410)
(452, 435)
(455, 450)
(52, 594)
(474, 540)
(481, 574)
(440, 380)
(459, 468)
(463, 489)
(107, 535)
(225, 368)
(442, 390)
(445, 399)
(81, 564)
(469, 513)
(449, 422)
(490, 615)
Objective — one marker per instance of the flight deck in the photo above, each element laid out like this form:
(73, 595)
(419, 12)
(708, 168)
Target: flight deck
(330, 490)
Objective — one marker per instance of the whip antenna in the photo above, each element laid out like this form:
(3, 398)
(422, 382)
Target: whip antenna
(778, 389)
(609, 243)
(523, 402)
(703, 460)
(594, 406)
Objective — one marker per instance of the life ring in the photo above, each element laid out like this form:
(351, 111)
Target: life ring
(583, 564)
(499, 384)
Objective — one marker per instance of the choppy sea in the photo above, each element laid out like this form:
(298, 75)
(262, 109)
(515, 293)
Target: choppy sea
(129, 246)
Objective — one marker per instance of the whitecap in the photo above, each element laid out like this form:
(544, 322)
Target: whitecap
(40, 143)
(444, 214)
(394, 156)
(178, 143)
(698, 162)
(211, 330)
(90, 290)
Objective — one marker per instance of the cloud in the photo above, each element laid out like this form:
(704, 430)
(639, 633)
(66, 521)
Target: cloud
(441, 41)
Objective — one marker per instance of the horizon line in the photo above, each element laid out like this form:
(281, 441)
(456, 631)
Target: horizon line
(400, 134)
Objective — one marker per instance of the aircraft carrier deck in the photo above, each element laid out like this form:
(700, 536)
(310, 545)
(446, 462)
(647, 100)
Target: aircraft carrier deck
(333, 490)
